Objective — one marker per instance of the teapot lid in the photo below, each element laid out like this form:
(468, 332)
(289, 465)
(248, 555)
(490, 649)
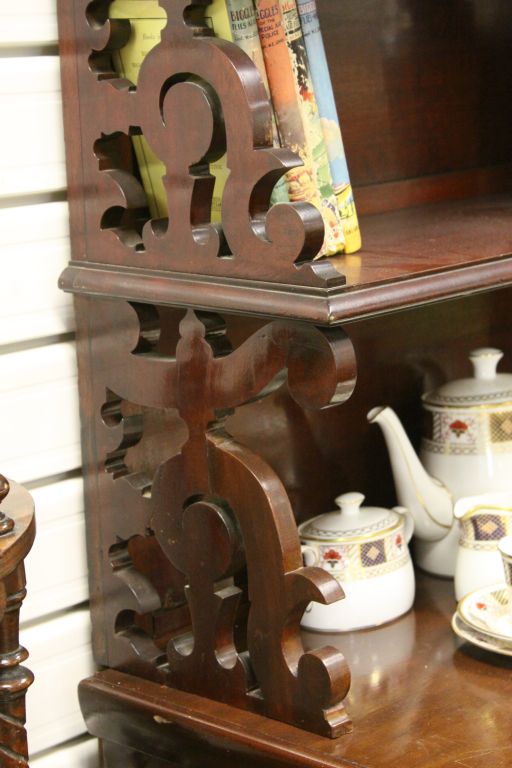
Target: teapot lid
(350, 521)
(486, 386)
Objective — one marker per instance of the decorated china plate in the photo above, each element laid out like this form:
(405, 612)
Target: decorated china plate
(481, 639)
(489, 610)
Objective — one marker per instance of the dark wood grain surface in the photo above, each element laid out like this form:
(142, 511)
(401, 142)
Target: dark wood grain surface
(409, 257)
(420, 698)
(421, 87)
(424, 100)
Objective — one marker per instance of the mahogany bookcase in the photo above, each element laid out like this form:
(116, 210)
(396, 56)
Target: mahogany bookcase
(211, 360)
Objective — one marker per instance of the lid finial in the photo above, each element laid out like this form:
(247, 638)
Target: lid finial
(349, 503)
(485, 362)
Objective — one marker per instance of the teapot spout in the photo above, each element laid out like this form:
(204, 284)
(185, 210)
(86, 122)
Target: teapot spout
(428, 501)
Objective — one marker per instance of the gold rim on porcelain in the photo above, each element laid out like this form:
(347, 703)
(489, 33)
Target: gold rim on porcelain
(483, 507)
(465, 615)
(478, 637)
(354, 539)
(497, 405)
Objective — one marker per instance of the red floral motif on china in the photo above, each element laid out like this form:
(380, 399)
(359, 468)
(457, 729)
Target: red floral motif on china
(399, 541)
(459, 427)
(481, 606)
(332, 554)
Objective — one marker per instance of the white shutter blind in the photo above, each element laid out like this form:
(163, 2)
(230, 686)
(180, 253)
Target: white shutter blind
(40, 437)
(31, 134)
(27, 22)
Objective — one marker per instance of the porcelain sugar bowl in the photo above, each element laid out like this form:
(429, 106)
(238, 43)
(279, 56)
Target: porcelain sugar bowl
(365, 548)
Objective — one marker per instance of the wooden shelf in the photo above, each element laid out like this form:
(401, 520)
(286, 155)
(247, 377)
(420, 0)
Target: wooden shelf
(410, 257)
(419, 697)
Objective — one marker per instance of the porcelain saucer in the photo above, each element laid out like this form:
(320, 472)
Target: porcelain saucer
(489, 610)
(480, 638)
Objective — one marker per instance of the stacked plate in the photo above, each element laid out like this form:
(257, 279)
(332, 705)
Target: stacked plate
(484, 618)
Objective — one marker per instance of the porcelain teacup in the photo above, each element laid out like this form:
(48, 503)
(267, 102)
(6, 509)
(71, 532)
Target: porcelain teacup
(505, 548)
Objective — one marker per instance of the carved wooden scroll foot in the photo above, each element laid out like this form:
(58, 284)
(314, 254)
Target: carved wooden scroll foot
(221, 519)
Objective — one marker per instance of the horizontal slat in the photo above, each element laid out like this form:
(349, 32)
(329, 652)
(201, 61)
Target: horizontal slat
(40, 433)
(31, 223)
(31, 126)
(56, 566)
(60, 656)
(34, 243)
(42, 365)
(83, 754)
(27, 22)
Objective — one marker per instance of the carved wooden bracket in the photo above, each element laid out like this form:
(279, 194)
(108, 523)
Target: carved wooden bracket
(222, 518)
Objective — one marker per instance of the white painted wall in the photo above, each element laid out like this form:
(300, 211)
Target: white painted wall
(40, 436)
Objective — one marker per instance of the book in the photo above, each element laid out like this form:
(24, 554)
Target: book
(330, 122)
(291, 90)
(148, 19)
(244, 32)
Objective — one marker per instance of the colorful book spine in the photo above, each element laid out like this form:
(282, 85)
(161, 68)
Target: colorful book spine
(307, 101)
(244, 31)
(148, 19)
(309, 182)
(330, 122)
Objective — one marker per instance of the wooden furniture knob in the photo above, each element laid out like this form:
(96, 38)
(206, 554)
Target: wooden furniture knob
(6, 523)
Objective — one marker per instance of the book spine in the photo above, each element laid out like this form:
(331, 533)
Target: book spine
(314, 134)
(244, 31)
(330, 122)
(302, 181)
(147, 20)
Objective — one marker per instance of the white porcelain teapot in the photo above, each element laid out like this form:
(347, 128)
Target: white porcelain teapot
(466, 450)
(365, 548)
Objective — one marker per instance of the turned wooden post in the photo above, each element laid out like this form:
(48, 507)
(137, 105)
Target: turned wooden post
(17, 530)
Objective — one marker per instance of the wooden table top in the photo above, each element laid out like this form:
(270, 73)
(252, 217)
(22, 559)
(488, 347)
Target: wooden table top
(420, 696)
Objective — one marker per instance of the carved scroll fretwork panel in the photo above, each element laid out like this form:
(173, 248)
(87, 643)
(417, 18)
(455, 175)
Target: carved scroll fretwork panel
(196, 97)
(220, 614)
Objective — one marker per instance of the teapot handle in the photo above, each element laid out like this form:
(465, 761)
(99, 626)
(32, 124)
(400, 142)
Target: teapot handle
(310, 553)
(408, 522)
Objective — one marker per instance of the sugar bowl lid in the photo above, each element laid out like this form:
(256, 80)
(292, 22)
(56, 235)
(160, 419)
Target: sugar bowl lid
(485, 387)
(351, 521)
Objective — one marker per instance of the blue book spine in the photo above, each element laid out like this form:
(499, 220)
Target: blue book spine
(322, 85)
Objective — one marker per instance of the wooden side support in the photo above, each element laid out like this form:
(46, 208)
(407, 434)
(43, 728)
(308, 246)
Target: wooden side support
(201, 585)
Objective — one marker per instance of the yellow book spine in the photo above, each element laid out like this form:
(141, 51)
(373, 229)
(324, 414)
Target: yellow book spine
(217, 18)
(147, 20)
